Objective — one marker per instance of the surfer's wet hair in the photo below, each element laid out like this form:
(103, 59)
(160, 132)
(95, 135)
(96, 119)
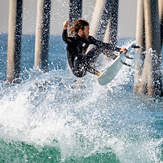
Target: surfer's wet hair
(76, 25)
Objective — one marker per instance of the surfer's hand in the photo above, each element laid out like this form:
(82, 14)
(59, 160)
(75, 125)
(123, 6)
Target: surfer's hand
(123, 50)
(65, 24)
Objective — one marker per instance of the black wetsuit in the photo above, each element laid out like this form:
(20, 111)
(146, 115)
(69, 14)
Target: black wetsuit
(80, 62)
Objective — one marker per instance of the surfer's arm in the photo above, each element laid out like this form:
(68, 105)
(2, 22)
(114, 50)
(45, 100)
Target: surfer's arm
(66, 39)
(64, 36)
(103, 45)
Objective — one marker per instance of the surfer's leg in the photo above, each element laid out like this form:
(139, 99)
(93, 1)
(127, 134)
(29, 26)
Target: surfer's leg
(90, 58)
(92, 55)
(80, 68)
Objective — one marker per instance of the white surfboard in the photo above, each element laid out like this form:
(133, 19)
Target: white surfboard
(110, 72)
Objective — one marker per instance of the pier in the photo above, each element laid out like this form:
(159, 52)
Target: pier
(148, 76)
(103, 26)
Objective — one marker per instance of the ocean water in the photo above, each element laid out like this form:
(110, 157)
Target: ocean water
(54, 117)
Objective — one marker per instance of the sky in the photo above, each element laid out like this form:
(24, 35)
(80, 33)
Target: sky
(59, 13)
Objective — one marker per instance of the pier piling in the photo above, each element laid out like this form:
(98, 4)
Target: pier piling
(75, 10)
(160, 8)
(105, 21)
(140, 38)
(150, 80)
(42, 34)
(96, 19)
(14, 40)
(112, 27)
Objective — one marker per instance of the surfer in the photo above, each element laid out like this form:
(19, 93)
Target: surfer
(79, 61)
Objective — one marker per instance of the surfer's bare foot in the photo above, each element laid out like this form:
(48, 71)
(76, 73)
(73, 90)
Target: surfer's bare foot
(99, 73)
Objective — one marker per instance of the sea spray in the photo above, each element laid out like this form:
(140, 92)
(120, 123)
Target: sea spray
(56, 117)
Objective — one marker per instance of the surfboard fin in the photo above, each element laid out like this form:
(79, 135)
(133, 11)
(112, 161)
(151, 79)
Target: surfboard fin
(135, 47)
(126, 64)
(128, 57)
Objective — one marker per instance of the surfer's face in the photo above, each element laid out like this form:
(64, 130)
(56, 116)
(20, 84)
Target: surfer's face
(84, 33)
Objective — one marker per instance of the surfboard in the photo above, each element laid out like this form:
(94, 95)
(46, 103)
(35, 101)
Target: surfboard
(109, 73)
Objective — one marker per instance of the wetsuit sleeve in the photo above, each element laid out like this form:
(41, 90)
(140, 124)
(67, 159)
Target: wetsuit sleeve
(70, 49)
(103, 45)
(65, 37)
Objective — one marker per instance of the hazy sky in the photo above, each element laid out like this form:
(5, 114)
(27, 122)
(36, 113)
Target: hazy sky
(59, 13)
